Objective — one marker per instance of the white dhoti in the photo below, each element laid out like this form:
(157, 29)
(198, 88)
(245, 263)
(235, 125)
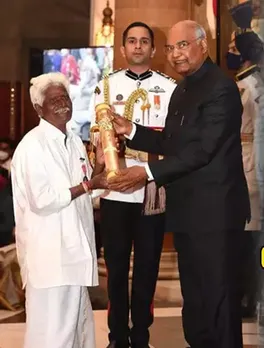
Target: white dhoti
(59, 317)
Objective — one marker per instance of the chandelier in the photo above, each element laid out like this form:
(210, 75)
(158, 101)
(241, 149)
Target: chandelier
(105, 36)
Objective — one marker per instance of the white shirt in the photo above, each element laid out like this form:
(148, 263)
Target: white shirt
(54, 235)
(159, 88)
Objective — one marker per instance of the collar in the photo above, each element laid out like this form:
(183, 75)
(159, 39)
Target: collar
(246, 72)
(140, 77)
(208, 63)
(53, 132)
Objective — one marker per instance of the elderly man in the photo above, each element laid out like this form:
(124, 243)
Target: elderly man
(54, 222)
(207, 195)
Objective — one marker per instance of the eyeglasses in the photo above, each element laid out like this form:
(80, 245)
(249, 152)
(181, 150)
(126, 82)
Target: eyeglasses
(180, 46)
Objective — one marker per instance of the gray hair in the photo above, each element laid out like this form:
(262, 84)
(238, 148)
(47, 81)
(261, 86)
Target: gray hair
(41, 83)
(200, 32)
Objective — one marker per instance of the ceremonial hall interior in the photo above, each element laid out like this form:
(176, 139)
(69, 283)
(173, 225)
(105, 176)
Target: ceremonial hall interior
(31, 32)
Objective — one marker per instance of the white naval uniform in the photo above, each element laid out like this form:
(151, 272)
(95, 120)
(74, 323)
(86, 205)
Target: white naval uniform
(54, 237)
(121, 84)
(250, 114)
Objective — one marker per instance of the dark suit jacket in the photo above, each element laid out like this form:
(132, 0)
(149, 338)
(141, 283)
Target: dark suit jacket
(202, 170)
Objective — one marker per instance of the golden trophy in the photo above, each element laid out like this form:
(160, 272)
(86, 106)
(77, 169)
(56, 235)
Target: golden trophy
(107, 136)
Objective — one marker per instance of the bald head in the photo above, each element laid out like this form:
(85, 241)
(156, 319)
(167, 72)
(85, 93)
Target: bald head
(193, 28)
(186, 47)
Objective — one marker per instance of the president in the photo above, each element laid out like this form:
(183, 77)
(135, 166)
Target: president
(207, 197)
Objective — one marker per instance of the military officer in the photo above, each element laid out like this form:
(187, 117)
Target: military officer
(248, 48)
(136, 217)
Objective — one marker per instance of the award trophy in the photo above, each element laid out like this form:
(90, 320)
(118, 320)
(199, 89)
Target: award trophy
(107, 136)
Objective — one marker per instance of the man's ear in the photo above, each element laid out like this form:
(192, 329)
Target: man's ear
(153, 52)
(204, 45)
(38, 108)
(122, 51)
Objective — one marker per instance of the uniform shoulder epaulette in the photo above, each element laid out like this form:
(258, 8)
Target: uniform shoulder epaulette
(112, 73)
(166, 76)
(97, 89)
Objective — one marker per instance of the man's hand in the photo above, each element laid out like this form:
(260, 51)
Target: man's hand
(121, 124)
(99, 181)
(127, 178)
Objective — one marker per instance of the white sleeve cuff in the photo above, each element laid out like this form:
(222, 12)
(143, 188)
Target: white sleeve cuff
(133, 132)
(148, 171)
(65, 198)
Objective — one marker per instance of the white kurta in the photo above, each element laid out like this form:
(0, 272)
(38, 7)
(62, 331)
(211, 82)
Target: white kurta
(54, 235)
(121, 86)
(55, 238)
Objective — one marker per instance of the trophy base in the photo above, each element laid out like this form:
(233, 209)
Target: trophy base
(111, 174)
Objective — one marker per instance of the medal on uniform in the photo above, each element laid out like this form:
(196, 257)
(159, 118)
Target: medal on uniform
(157, 102)
(157, 89)
(119, 100)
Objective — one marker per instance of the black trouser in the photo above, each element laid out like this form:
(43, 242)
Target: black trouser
(211, 281)
(251, 256)
(123, 225)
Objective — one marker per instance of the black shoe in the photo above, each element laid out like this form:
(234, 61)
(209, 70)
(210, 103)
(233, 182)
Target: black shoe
(115, 344)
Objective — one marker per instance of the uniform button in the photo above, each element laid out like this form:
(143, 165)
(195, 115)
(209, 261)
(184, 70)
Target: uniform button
(169, 135)
(184, 90)
(176, 113)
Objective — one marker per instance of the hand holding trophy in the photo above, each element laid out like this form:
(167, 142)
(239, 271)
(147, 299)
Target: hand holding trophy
(108, 139)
